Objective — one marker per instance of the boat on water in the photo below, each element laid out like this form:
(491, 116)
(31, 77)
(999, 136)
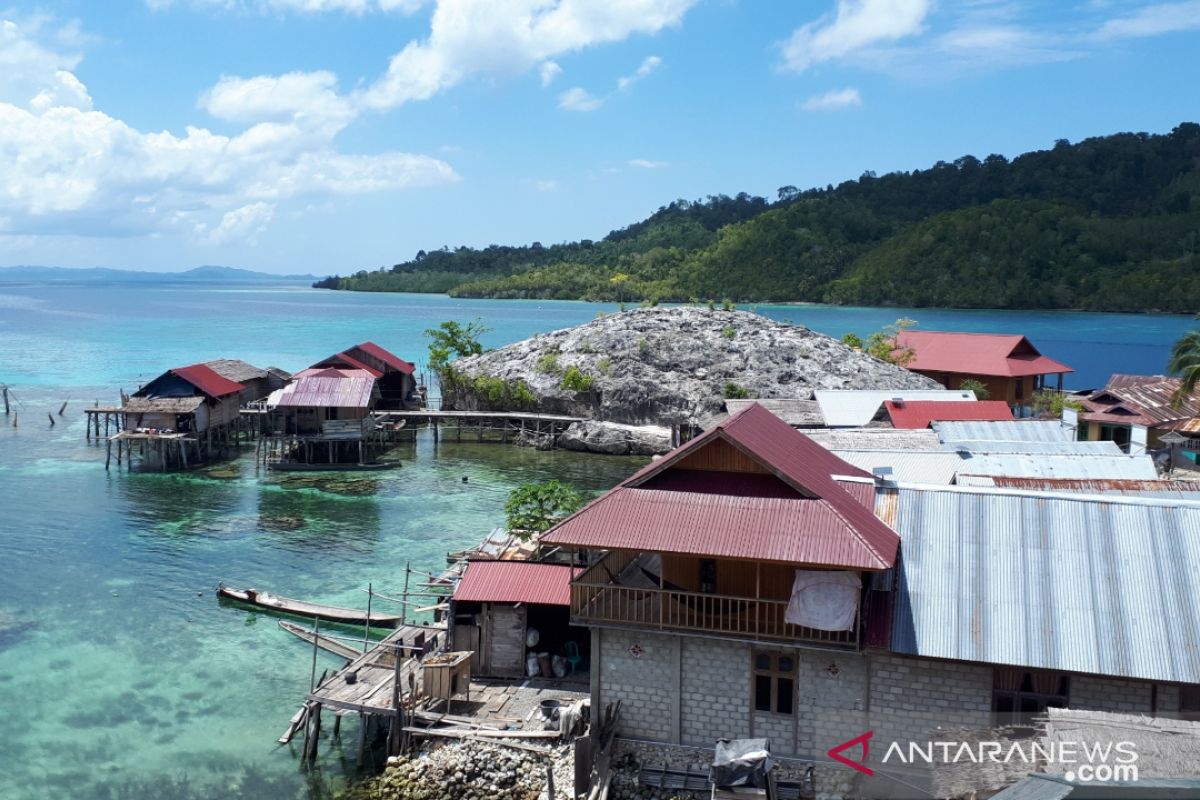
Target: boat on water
(301, 608)
(322, 641)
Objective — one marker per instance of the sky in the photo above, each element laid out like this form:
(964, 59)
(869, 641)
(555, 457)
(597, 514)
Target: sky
(329, 136)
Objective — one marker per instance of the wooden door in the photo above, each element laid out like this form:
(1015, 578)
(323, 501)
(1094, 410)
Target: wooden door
(505, 645)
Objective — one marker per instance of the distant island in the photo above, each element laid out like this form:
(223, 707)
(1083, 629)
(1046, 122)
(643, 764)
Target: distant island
(1107, 224)
(205, 274)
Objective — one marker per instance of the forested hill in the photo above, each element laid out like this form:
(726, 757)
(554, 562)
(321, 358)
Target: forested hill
(1109, 223)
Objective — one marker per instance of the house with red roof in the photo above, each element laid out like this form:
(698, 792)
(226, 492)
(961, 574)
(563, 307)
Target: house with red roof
(1009, 365)
(192, 399)
(396, 378)
(918, 414)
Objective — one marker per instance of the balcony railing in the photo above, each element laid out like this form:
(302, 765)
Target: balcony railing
(598, 602)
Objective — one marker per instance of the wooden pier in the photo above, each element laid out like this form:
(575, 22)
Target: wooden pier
(493, 426)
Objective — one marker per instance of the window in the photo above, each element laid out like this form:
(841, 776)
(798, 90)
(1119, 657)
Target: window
(774, 682)
(708, 576)
(1017, 694)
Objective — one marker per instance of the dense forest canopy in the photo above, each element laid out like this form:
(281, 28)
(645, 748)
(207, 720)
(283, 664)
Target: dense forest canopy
(1109, 223)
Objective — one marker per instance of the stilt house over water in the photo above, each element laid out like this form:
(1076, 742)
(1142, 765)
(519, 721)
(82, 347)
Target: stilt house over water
(396, 378)
(191, 399)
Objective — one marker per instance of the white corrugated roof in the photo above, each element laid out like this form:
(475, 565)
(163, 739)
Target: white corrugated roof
(1018, 430)
(852, 408)
(1059, 466)
(912, 466)
(1069, 447)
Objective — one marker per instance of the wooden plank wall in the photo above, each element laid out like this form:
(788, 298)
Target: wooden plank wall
(720, 456)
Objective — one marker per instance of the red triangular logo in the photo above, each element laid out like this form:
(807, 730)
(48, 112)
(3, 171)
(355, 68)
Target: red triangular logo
(861, 764)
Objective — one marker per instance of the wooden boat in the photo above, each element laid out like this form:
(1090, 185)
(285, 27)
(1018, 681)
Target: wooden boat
(300, 608)
(324, 642)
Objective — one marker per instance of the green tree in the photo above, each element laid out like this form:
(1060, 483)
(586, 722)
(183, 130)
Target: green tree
(981, 391)
(1185, 362)
(536, 507)
(883, 344)
(452, 339)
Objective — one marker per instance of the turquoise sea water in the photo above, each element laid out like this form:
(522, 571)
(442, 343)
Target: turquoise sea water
(120, 675)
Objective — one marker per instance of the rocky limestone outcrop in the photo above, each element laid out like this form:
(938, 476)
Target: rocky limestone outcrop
(613, 439)
(665, 366)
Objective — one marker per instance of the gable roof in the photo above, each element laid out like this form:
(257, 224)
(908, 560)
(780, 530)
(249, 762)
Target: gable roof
(317, 391)
(918, 414)
(236, 370)
(988, 354)
(201, 376)
(823, 525)
(1139, 400)
(516, 582)
(391, 359)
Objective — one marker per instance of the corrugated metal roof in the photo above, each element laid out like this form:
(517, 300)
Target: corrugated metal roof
(1164, 489)
(1076, 584)
(913, 466)
(516, 582)
(873, 439)
(837, 529)
(162, 405)
(990, 354)
(207, 381)
(800, 531)
(797, 413)
(236, 370)
(1065, 466)
(1054, 787)
(918, 414)
(1140, 402)
(392, 360)
(853, 408)
(324, 392)
(1019, 430)
(1037, 787)
(333, 372)
(1052, 448)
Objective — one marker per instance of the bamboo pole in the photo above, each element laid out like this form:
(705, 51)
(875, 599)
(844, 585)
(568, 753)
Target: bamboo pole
(51, 418)
(63, 407)
(312, 678)
(5, 390)
(367, 624)
(404, 608)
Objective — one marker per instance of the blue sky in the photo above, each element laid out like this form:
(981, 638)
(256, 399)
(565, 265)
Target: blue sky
(335, 135)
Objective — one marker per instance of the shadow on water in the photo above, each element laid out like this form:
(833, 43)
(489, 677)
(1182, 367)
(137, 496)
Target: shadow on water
(245, 783)
(320, 513)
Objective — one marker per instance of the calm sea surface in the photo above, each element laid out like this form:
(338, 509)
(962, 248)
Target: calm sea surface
(120, 675)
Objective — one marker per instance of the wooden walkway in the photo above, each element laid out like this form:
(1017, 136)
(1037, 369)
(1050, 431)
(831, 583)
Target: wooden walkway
(499, 426)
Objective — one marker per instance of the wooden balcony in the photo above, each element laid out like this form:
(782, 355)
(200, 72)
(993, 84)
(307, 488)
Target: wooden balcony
(597, 600)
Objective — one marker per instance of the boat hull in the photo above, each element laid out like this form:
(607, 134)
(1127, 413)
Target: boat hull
(300, 608)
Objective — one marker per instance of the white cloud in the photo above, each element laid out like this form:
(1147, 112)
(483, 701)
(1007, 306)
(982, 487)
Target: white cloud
(1152, 20)
(241, 224)
(578, 99)
(471, 37)
(67, 168)
(855, 24)
(297, 6)
(548, 71)
(831, 101)
(648, 65)
(545, 185)
(644, 163)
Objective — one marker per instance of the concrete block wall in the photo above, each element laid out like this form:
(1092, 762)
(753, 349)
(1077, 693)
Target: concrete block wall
(646, 682)
(1110, 694)
(912, 697)
(714, 690)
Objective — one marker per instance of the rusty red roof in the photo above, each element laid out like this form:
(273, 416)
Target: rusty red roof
(207, 380)
(916, 414)
(315, 391)
(391, 359)
(516, 582)
(1140, 400)
(332, 372)
(987, 354)
(820, 525)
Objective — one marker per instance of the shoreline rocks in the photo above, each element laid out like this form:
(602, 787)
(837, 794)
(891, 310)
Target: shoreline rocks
(611, 438)
(665, 366)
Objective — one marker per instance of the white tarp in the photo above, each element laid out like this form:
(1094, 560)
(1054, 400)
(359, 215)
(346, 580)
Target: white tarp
(825, 600)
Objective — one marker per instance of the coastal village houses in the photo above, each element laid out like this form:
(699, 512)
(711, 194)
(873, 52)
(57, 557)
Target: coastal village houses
(1009, 365)
(1136, 411)
(752, 584)
(193, 399)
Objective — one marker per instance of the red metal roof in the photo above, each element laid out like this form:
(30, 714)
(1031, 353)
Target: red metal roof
(987, 354)
(392, 360)
(516, 582)
(826, 526)
(207, 380)
(323, 392)
(916, 414)
(332, 372)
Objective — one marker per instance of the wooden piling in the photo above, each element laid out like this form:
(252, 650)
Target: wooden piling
(50, 417)
(367, 624)
(4, 389)
(63, 407)
(108, 455)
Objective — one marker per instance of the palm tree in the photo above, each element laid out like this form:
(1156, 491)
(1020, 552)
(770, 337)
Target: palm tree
(1185, 362)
